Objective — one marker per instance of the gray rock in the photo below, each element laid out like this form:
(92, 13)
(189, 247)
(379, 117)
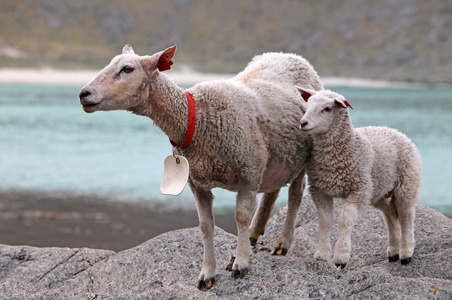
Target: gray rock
(167, 266)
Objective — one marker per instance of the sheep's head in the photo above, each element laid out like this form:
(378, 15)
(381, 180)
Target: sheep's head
(322, 108)
(125, 82)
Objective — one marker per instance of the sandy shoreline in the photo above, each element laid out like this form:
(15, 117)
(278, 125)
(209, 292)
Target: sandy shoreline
(45, 219)
(182, 76)
(57, 219)
(48, 76)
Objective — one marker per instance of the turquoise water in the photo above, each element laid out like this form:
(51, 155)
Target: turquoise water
(48, 143)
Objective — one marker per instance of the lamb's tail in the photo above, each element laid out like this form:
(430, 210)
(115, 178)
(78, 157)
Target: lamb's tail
(393, 208)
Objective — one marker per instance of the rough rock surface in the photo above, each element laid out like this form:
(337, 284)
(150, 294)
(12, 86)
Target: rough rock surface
(167, 266)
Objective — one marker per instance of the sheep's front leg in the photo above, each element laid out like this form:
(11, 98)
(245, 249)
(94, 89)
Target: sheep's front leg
(204, 202)
(262, 215)
(347, 218)
(246, 201)
(324, 205)
(285, 239)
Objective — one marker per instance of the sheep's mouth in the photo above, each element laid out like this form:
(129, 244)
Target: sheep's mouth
(90, 107)
(90, 104)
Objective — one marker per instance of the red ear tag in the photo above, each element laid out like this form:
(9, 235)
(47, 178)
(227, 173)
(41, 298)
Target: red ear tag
(348, 104)
(305, 96)
(164, 65)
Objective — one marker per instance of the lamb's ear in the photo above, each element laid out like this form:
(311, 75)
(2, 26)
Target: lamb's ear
(160, 60)
(342, 102)
(128, 49)
(306, 93)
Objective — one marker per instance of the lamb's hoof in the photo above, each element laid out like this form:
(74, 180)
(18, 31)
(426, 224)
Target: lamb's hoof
(405, 261)
(207, 283)
(393, 258)
(342, 265)
(253, 241)
(279, 250)
(240, 273)
(231, 263)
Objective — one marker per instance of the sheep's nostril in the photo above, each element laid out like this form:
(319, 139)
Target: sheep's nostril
(303, 124)
(84, 93)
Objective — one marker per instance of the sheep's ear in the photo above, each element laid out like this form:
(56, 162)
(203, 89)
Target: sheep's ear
(168, 54)
(128, 49)
(165, 62)
(160, 60)
(306, 93)
(342, 102)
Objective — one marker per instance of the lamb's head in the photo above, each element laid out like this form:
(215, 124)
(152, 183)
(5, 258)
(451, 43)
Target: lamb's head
(322, 109)
(125, 82)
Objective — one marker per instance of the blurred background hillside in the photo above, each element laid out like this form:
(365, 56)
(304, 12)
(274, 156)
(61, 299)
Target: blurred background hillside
(407, 40)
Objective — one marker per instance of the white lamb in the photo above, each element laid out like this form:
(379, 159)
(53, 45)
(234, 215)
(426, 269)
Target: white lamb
(371, 165)
(246, 137)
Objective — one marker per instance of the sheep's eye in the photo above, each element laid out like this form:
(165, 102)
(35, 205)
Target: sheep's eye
(327, 109)
(127, 69)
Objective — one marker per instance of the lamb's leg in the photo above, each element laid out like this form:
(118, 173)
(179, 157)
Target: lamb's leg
(204, 202)
(285, 239)
(324, 205)
(347, 218)
(246, 201)
(406, 219)
(387, 207)
(262, 215)
(406, 194)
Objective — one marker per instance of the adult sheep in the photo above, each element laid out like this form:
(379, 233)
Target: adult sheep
(371, 165)
(245, 136)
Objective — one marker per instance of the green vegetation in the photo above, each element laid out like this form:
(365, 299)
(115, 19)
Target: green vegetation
(403, 40)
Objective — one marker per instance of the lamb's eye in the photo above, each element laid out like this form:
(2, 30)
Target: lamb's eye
(327, 109)
(127, 69)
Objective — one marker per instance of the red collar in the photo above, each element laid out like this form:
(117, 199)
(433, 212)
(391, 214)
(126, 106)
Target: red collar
(191, 123)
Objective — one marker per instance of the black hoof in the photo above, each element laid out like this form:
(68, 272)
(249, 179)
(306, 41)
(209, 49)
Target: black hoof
(340, 265)
(239, 273)
(231, 263)
(207, 283)
(393, 258)
(253, 241)
(279, 251)
(405, 261)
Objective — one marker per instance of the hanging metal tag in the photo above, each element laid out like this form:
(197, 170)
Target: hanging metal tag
(175, 175)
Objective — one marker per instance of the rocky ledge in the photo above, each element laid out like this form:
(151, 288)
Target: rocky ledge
(167, 266)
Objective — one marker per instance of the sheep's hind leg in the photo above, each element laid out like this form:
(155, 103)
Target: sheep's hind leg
(204, 202)
(246, 201)
(262, 215)
(324, 205)
(285, 239)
